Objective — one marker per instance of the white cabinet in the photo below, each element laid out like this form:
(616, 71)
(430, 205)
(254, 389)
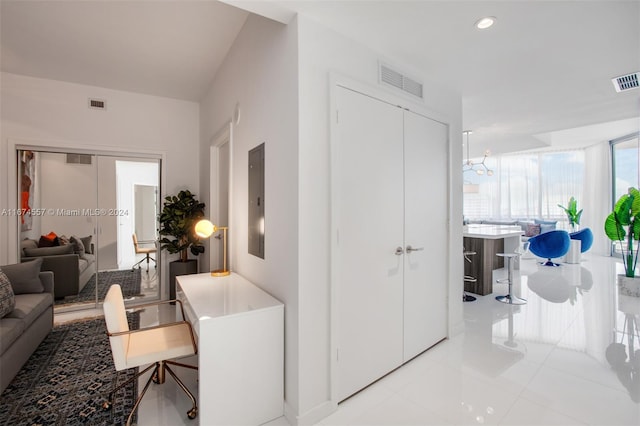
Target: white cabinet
(390, 222)
(240, 332)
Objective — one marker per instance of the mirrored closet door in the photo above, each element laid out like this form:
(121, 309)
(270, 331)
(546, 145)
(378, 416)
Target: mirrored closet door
(92, 219)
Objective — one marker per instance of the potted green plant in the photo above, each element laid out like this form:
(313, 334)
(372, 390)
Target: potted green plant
(178, 218)
(623, 226)
(572, 213)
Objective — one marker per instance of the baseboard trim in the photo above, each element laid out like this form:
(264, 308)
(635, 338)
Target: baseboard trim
(312, 416)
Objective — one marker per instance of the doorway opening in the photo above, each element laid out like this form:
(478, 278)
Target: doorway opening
(220, 199)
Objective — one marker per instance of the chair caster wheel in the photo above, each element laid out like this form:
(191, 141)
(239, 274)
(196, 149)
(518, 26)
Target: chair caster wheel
(155, 379)
(192, 413)
(106, 405)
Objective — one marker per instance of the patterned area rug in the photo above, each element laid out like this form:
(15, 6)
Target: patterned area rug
(67, 379)
(128, 280)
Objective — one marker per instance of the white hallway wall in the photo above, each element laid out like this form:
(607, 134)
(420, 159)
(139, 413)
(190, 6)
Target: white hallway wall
(54, 113)
(323, 51)
(269, 71)
(260, 75)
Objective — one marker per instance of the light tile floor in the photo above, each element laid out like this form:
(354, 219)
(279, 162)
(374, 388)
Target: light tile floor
(566, 357)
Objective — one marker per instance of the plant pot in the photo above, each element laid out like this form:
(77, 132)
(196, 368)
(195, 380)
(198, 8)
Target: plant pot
(628, 304)
(629, 286)
(178, 267)
(573, 255)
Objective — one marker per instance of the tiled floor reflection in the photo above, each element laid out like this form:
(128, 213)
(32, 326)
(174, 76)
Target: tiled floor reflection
(149, 281)
(571, 355)
(566, 357)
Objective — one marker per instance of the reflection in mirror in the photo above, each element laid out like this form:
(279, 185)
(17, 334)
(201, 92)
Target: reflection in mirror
(256, 201)
(144, 213)
(81, 216)
(58, 195)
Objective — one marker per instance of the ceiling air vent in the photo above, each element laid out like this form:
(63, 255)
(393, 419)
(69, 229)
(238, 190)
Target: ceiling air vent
(626, 82)
(97, 104)
(400, 81)
(78, 158)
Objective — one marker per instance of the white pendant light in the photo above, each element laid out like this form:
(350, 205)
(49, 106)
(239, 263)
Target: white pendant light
(480, 168)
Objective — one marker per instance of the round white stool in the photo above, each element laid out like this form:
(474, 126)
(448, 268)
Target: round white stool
(510, 298)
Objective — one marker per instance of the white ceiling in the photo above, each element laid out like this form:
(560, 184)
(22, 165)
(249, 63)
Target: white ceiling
(164, 48)
(540, 77)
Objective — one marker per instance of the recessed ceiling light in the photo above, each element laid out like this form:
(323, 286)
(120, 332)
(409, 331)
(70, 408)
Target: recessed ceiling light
(486, 22)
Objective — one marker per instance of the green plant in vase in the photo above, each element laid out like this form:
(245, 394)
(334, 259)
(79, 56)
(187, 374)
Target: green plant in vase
(623, 225)
(572, 213)
(177, 221)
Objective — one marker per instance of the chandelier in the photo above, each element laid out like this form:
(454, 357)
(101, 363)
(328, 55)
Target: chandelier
(480, 168)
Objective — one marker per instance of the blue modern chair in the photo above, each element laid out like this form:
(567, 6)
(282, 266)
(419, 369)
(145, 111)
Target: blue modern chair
(550, 244)
(586, 238)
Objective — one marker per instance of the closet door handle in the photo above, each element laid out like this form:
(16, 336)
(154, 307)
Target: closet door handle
(399, 251)
(410, 249)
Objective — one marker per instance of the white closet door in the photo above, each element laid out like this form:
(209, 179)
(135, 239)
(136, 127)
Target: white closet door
(425, 279)
(369, 216)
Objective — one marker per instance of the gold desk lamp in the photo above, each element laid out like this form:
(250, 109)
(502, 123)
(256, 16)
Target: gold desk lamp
(204, 229)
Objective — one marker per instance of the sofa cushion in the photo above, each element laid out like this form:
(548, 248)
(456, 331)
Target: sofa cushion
(532, 230)
(90, 258)
(546, 225)
(86, 241)
(24, 277)
(82, 264)
(49, 240)
(78, 246)
(63, 240)
(48, 251)
(30, 306)
(28, 243)
(7, 298)
(523, 224)
(10, 330)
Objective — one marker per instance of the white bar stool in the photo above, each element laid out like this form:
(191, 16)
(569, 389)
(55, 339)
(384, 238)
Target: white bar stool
(510, 298)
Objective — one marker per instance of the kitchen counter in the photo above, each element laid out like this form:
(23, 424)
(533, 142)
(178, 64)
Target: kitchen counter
(487, 241)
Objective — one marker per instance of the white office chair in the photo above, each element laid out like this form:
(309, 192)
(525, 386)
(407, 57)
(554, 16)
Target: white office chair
(151, 345)
(147, 251)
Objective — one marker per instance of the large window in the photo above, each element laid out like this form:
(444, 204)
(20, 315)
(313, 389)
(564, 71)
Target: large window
(625, 170)
(624, 152)
(527, 185)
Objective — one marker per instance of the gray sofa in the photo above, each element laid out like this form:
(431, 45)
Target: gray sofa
(26, 326)
(72, 267)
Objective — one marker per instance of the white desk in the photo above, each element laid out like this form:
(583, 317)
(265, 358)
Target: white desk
(486, 241)
(240, 332)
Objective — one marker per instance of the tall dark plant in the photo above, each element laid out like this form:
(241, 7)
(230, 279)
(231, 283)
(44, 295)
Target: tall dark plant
(178, 217)
(623, 225)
